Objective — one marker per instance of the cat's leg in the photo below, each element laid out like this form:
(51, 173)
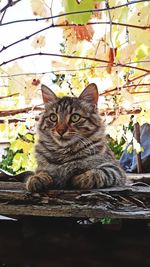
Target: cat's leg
(106, 176)
(39, 182)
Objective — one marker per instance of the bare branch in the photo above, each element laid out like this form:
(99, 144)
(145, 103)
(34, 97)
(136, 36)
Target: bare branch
(76, 12)
(2, 17)
(136, 78)
(12, 121)
(70, 25)
(5, 113)
(120, 111)
(9, 4)
(108, 92)
(67, 70)
(3, 97)
(128, 65)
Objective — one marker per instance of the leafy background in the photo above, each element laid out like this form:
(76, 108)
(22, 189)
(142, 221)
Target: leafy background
(66, 45)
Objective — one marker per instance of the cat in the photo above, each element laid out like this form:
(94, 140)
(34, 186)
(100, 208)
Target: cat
(72, 151)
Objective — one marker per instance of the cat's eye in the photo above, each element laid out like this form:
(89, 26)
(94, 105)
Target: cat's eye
(75, 117)
(53, 117)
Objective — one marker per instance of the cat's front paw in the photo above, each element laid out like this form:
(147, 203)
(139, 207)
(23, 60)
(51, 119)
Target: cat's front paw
(39, 182)
(83, 181)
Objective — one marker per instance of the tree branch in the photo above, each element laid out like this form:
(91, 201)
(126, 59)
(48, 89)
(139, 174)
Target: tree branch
(70, 25)
(77, 12)
(119, 111)
(12, 121)
(75, 57)
(9, 4)
(5, 113)
(67, 70)
(136, 78)
(2, 17)
(126, 86)
(2, 97)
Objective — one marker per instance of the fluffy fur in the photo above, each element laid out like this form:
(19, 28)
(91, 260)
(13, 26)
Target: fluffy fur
(72, 151)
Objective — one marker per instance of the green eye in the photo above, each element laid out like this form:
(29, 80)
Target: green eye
(75, 117)
(53, 117)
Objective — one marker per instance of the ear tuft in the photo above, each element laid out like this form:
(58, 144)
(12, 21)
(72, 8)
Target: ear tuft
(90, 94)
(47, 94)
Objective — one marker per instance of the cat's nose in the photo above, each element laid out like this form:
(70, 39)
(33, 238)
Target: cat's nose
(61, 129)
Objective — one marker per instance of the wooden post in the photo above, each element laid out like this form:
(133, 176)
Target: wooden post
(138, 156)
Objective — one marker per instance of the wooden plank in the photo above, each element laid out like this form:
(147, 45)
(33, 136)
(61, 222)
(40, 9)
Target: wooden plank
(131, 201)
(117, 202)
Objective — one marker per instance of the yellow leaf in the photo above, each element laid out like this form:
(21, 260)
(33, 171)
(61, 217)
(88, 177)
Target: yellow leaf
(138, 148)
(15, 84)
(143, 117)
(30, 137)
(139, 15)
(130, 149)
(22, 129)
(20, 144)
(127, 98)
(17, 161)
(39, 8)
(39, 41)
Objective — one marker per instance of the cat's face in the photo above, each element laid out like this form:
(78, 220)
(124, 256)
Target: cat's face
(69, 119)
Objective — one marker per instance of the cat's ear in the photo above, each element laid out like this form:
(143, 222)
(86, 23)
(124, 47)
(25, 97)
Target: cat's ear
(47, 94)
(90, 94)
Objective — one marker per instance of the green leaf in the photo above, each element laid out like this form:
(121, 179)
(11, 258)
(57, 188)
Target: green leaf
(22, 130)
(20, 144)
(74, 6)
(17, 161)
(106, 220)
(16, 145)
(29, 137)
(124, 14)
(130, 149)
(142, 51)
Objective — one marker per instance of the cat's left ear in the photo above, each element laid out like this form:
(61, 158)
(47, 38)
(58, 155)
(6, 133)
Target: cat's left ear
(90, 94)
(47, 94)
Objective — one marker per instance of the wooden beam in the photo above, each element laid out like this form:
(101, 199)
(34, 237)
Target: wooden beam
(131, 201)
(118, 202)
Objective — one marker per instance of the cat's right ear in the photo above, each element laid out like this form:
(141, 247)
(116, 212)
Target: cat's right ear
(47, 94)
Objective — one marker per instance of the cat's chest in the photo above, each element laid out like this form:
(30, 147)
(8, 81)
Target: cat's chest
(72, 167)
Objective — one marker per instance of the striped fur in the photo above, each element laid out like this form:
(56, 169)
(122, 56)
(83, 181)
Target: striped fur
(72, 150)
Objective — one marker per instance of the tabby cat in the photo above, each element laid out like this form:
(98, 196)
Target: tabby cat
(72, 150)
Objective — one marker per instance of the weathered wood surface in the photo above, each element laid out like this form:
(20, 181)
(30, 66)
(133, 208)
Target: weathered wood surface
(131, 201)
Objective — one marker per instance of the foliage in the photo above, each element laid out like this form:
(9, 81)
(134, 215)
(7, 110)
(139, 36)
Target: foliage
(119, 143)
(107, 221)
(77, 6)
(116, 147)
(102, 46)
(19, 156)
(7, 159)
